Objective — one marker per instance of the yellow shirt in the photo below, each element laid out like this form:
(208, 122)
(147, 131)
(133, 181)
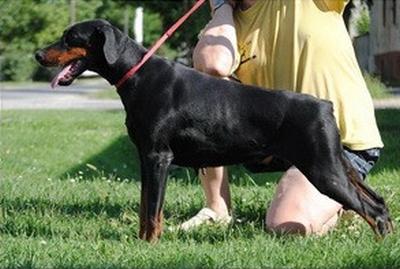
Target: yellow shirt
(303, 45)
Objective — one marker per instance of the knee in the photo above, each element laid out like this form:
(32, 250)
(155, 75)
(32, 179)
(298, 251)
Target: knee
(301, 226)
(298, 227)
(217, 69)
(215, 60)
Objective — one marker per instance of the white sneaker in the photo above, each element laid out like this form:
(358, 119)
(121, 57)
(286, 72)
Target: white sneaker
(205, 216)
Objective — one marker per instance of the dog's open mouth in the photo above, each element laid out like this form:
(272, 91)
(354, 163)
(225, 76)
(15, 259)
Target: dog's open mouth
(69, 72)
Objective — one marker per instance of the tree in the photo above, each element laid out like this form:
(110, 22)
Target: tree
(24, 25)
(30, 24)
(347, 13)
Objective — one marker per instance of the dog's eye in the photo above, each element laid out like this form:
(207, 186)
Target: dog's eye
(73, 40)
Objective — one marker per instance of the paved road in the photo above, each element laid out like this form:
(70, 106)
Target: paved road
(41, 96)
(78, 96)
(393, 102)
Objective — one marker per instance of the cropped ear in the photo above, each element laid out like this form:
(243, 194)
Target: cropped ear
(111, 46)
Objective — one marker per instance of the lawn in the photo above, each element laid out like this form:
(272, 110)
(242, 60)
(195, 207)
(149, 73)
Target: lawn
(69, 192)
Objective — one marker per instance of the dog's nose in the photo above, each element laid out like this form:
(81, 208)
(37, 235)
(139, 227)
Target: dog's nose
(39, 55)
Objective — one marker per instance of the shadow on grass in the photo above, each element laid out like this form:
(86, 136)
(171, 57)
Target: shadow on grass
(120, 159)
(89, 209)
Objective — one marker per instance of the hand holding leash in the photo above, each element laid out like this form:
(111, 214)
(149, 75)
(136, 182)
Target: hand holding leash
(215, 4)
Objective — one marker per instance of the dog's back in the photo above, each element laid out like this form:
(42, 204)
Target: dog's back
(209, 121)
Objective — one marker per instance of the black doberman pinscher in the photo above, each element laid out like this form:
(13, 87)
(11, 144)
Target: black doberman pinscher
(176, 115)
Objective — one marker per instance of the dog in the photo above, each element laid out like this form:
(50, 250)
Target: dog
(177, 115)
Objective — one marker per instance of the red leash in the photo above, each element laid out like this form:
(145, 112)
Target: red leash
(158, 44)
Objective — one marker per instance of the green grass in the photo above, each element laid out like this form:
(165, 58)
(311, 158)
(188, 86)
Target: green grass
(69, 195)
(11, 85)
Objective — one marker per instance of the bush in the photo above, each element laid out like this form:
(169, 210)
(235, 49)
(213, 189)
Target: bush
(363, 22)
(17, 62)
(377, 89)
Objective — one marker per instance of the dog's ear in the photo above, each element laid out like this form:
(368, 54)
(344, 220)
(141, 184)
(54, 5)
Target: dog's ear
(111, 46)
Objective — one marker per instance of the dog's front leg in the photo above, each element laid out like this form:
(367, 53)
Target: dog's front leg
(154, 167)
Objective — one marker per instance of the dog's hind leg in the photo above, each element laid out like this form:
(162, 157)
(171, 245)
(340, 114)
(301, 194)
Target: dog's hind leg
(322, 161)
(341, 183)
(377, 214)
(154, 166)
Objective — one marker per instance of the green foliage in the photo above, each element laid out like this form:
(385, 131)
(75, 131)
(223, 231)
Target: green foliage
(376, 88)
(363, 22)
(69, 198)
(16, 62)
(27, 25)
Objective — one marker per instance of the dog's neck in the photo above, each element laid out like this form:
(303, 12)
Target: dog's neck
(129, 56)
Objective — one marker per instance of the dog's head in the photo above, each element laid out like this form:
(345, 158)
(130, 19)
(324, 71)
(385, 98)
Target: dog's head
(89, 45)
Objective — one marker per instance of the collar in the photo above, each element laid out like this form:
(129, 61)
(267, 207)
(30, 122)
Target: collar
(131, 72)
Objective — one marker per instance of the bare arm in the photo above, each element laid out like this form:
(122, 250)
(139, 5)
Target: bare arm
(215, 52)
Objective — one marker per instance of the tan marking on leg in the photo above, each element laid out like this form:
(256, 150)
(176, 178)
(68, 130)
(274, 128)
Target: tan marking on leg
(154, 229)
(143, 222)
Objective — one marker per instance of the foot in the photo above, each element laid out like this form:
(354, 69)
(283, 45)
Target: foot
(205, 216)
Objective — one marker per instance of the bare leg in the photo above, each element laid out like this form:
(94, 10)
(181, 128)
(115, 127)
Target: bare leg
(216, 189)
(298, 207)
(214, 54)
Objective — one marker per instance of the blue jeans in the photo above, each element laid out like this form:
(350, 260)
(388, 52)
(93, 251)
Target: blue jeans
(362, 160)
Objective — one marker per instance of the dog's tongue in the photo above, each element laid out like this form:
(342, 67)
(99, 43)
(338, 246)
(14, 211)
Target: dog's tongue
(60, 75)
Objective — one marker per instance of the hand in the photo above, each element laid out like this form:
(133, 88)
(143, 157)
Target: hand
(215, 4)
(233, 3)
